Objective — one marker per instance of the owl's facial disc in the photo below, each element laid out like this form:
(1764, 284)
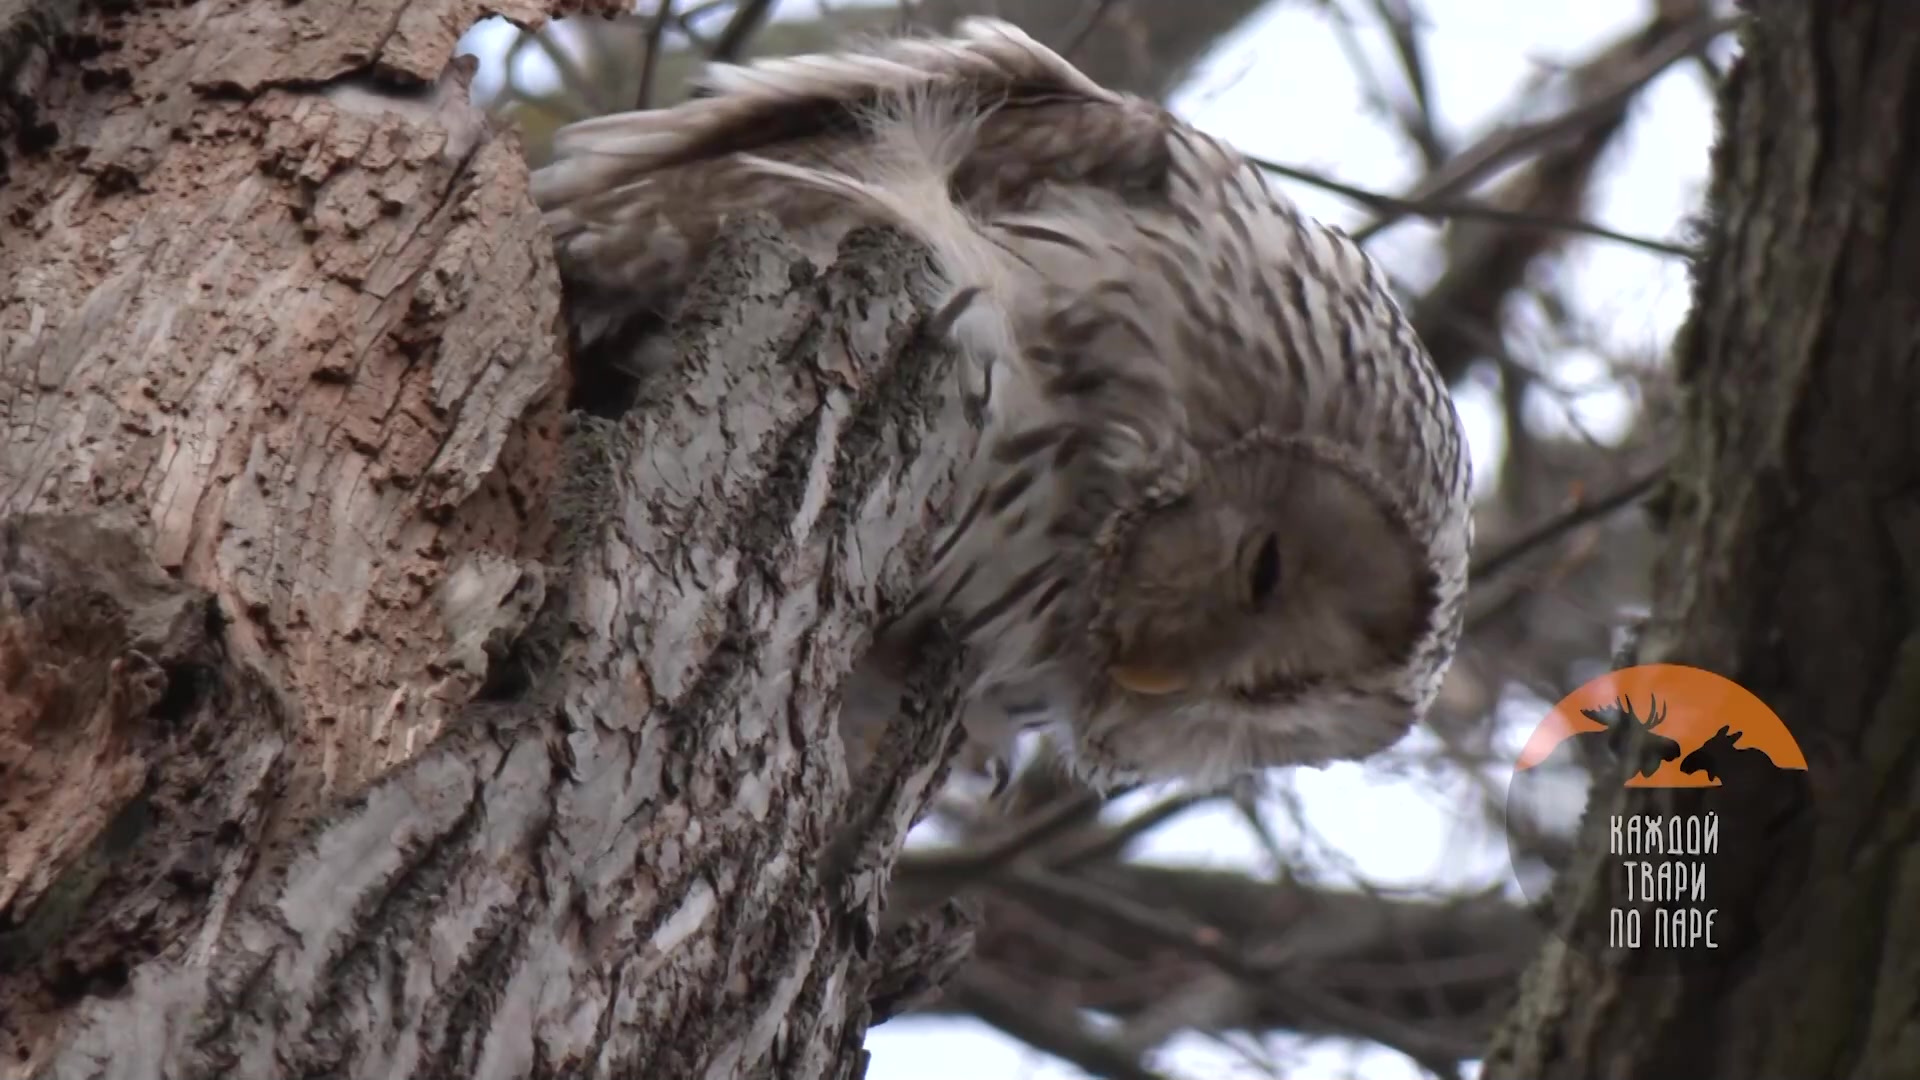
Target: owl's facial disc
(1278, 574)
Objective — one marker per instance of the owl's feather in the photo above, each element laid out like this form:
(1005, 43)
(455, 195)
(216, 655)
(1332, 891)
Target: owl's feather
(1215, 446)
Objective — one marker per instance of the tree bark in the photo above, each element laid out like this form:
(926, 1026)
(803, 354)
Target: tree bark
(363, 710)
(1790, 566)
(638, 849)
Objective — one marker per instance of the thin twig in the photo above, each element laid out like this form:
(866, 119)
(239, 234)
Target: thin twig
(1373, 89)
(1089, 21)
(1108, 842)
(571, 77)
(1432, 1051)
(1262, 830)
(1039, 1023)
(1402, 24)
(656, 35)
(684, 19)
(702, 8)
(1548, 531)
(1248, 1048)
(747, 20)
(969, 864)
(1502, 146)
(1468, 209)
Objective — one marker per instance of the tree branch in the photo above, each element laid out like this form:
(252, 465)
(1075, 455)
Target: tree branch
(1668, 45)
(1460, 208)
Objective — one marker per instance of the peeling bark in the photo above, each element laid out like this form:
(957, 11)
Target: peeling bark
(1790, 567)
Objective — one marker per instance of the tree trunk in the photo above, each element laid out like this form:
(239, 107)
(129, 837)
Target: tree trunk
(363, 710)
(1793, 567)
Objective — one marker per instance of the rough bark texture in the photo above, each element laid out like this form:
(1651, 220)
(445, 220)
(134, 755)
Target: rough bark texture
(289, 332)
(362, 711)
(638, 850)
(1791, 566)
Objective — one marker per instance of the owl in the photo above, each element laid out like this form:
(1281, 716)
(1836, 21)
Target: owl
(1218, 519)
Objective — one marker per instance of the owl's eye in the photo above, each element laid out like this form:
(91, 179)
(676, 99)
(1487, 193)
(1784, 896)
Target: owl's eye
(1266, 570)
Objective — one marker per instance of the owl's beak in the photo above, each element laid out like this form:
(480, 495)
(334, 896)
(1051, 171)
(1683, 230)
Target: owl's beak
(1150, 681)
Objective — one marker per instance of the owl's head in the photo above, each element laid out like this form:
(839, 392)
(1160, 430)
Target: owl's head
(1263, 614)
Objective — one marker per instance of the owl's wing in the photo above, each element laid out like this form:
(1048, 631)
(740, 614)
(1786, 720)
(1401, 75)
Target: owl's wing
(1016, 169)
(633, 197)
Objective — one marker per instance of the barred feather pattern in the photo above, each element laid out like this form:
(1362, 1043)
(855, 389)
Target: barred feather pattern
(1182, 362)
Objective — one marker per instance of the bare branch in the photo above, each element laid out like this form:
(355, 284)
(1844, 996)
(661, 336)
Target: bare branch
(656, 36)
(575, 80)
(1504, 145)
(1402, 23)
(1267, 974)
(747, 20)
(1033, 1020)
(1077, 35)
(960, 866)
(1460, 208)
(1579, 514)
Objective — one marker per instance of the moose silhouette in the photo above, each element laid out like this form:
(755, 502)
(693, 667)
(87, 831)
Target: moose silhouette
(1541, 801)
(1626, 737)
(1721, 759)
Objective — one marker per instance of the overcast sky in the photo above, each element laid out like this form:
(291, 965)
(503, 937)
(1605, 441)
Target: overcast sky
(1282, 89)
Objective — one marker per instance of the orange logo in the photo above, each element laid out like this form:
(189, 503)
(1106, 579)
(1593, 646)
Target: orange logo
(1676, 726)
(1714, 783)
